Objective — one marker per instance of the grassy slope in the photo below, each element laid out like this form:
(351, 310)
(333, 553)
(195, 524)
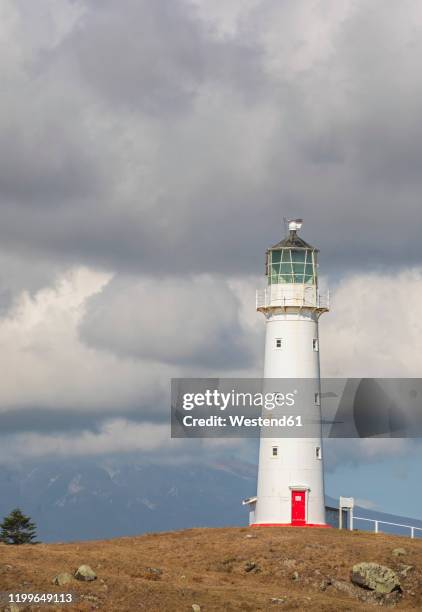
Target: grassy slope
(207, 566)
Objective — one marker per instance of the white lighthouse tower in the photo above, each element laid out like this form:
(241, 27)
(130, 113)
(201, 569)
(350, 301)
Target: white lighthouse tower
(290, 475)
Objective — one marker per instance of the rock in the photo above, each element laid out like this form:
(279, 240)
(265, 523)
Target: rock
(405, 569)
(295, 576)
(250, 536)
(399, 552)
(366, 595)
(196, 608)
(90, 597)
(390, 599)
(251, 566)
(375, 577)
(289, 562)
(278, 600)
(228, 560)
(345, 587)
(85, 574)
(62, 578)
(152, 573)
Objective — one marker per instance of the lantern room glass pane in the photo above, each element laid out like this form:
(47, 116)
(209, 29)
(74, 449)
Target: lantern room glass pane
(298, 256)
(291, 266)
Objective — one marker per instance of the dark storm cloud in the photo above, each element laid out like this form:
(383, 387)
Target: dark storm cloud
(153, 57)
(145, 141)
(69, 131)
(43, 165)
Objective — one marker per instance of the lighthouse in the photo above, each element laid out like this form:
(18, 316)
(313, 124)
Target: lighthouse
(290, 488)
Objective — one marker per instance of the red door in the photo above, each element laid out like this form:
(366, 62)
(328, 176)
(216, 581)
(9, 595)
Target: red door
(298, 507)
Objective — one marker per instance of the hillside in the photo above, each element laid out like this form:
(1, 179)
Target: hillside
(218, 569)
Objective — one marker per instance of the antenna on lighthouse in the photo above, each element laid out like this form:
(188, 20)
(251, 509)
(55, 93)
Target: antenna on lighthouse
(295, 224)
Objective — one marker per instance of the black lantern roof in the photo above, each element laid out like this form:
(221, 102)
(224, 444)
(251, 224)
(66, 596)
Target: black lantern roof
(292, 241)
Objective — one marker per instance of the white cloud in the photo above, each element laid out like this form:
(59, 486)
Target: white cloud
(114, 436)
(137, 327)
(190, 321)
(45, 365)
(118, 436)
(141, 333)
(374, 327)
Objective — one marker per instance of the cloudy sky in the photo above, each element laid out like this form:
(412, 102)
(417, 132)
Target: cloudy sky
(148, 153)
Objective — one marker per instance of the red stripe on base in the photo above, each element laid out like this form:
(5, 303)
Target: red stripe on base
(323, 526)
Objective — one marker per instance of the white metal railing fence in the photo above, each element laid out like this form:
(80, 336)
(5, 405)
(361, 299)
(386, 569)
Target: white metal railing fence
(377, 523)
(276, 295)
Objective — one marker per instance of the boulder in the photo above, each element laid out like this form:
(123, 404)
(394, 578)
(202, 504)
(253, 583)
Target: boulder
(196, 608)
(399, 552)
(85, 573)
(375, 577)
(62, 578)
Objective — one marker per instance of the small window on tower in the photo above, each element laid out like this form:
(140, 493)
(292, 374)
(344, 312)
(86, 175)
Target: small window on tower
(318, 452)
(275, 451)
(315, 344)
(278, 343)
(317, 399)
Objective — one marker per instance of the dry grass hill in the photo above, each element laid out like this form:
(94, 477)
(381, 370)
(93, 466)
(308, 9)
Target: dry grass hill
(218, 570)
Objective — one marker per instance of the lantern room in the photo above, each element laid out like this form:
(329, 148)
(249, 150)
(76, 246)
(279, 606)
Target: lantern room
(292, 261)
